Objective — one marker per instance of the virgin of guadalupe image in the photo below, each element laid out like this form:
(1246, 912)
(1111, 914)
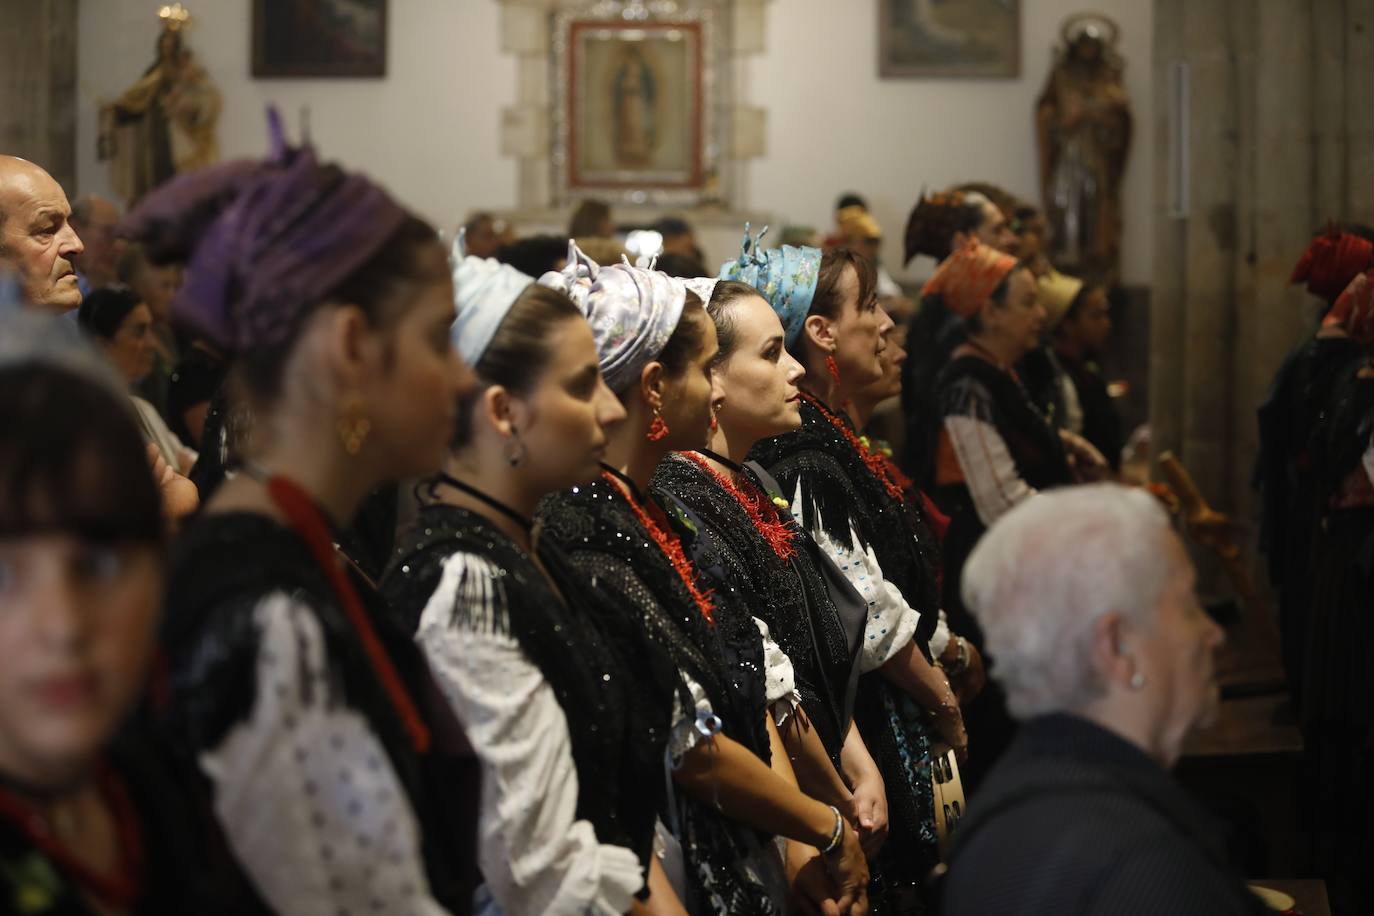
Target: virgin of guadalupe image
(163, 124)
(635, 96)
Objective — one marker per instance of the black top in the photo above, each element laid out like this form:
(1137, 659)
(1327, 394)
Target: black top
(838, 489)
(791, 597)
(1074, 819)
(935, 333)
(614, 687)
(597, 529)
(1101, 422)
(1294, 413)
(973, 387)
(195, 380)
(223, 566)
(599, 533)
(186, 866)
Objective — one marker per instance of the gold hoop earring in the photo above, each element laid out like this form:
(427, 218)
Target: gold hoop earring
(354, 426)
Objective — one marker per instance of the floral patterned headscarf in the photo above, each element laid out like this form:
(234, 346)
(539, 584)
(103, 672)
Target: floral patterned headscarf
(785, 276)
(633, 311)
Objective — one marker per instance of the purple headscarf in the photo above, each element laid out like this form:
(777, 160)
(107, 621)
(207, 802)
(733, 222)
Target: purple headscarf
(262, 240)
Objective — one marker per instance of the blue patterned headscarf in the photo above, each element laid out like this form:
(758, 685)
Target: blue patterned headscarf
(785, 276)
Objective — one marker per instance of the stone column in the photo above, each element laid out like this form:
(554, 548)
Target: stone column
(1279, 141)
(38, 86)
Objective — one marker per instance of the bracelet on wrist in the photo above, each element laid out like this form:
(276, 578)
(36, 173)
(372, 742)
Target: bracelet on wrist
(961, 657)
(837, 835)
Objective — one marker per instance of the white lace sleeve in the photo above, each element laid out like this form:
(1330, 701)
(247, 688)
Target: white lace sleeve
(939, 640)
(305, 792)
(891, 621)
(686, 731)
(535, 855)
(780, 687)
(989, 470)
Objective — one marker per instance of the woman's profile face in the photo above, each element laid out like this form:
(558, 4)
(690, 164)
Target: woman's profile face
(1020, 319)
(1177, 656)
(131, 349)
(860, 333)
(563, 421)
(413, 403)
(689, 397)
(758, 380)
(77, 624)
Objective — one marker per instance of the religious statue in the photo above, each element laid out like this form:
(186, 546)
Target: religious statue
(1083, 129)
(164, 123)
(636, 93)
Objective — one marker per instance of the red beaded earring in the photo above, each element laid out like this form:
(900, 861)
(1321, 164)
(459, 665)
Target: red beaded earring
(658, 430)
(833, 368)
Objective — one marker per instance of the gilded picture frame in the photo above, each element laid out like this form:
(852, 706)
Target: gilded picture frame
(635, 109)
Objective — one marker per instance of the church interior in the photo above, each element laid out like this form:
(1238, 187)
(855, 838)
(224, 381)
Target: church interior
(1185, 174)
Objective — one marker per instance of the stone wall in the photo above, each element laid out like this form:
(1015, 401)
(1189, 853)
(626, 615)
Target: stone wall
(1278, 133)
(38, 84)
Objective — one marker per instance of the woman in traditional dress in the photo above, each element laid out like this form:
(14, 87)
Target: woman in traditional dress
(566, 706)
(770, 563)
(1337, 687)
(995, 449)
(656, 345)
(1293, 409)
(847, 499)
(338, 773)
(97, 816)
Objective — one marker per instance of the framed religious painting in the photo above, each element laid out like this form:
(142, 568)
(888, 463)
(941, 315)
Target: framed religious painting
(930, 38)
(314, 38)
(635, 113)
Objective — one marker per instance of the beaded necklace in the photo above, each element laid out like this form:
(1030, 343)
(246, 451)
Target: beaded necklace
(668, 543)
(120, 890)
(871, 459)
(760, 509)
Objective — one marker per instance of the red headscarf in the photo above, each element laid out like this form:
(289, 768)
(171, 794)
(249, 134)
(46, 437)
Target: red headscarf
(1354, 310)
(968, 277)
(1332, 260)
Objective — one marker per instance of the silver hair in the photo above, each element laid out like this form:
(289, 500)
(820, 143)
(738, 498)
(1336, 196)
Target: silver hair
(1047, 570)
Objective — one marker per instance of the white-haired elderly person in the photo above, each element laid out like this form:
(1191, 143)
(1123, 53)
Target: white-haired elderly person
(1087, 600)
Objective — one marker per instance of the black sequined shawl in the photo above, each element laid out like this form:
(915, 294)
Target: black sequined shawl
(598, 531)
(839, 490)
(223, 566)
(790, 597)
(615, 698)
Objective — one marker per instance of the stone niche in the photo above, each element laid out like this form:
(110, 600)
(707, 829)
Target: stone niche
(537, 130)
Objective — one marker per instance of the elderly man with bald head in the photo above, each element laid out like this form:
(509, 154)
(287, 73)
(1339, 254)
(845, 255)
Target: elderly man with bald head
(37, 241)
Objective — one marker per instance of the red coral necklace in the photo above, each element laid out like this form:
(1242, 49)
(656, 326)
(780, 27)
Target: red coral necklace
(875, 463)
(662, 536)
(755, 503)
